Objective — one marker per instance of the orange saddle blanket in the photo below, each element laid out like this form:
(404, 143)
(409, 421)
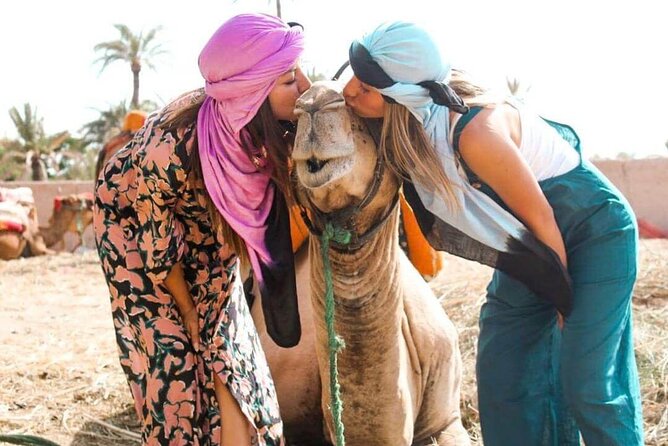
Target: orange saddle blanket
(426, 259)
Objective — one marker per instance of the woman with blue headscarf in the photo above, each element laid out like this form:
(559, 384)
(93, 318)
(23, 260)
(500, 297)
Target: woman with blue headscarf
(492, 182)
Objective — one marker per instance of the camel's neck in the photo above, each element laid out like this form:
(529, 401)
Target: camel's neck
(365, 282)
(373, 369)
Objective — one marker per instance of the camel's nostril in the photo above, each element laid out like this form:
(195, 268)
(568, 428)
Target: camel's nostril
(314, 164)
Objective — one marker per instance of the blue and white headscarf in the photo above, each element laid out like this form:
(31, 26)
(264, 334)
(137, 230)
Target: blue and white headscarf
(409, 56)
(479, 229)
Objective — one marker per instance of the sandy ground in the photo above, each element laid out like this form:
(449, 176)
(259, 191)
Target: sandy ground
(60, 377)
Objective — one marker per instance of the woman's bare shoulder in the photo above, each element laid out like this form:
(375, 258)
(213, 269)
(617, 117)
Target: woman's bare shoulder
(494, 123)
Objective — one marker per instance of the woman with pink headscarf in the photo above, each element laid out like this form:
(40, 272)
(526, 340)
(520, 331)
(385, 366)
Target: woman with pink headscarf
(203, 184)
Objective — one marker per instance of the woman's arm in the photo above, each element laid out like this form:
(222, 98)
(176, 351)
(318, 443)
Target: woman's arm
(178, 288)
(489, 145)
(176, 284)
(160, 235)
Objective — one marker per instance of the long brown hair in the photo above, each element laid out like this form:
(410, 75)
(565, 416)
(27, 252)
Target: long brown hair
(405, 146)
(265, 131)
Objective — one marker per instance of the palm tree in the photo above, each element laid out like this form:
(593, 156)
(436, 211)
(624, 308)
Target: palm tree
(12, 159)
(110, 121)
(136, 49)
(31, 132)
(37, 151)
(29, 127)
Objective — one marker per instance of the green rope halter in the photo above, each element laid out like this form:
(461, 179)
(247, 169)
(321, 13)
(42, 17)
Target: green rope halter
(335, 342)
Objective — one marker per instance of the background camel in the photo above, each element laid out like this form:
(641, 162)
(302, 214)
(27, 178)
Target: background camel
(132, 122)
(72, 213)
(20, 233)
(400, 370)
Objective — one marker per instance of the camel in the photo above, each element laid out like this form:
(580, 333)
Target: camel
(400, 370)
(72, 213)
(18, 224)
(13, 244)
(132, 122)
(20, 233)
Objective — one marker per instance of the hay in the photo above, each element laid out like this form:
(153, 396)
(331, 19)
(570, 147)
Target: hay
(650, 306)
(461, 290)
(59, 374)
(60, 378)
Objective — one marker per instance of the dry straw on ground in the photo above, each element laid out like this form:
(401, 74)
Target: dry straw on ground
(60, 378)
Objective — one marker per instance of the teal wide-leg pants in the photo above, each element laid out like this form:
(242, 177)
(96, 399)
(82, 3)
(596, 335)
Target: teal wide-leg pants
(538, 385)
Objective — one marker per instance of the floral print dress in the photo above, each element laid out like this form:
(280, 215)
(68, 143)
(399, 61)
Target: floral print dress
(149, 215)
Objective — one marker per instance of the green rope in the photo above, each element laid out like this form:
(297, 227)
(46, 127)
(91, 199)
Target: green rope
(26, 440)
(335, 342)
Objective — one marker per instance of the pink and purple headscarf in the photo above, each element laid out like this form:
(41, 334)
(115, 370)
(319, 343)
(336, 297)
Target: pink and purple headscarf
(241, 64)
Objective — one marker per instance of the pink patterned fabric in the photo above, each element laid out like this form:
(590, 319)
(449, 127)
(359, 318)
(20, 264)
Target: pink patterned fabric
(149, 215)
(241, 64)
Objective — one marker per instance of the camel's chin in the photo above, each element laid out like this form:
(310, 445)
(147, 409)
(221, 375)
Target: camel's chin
(333, 170)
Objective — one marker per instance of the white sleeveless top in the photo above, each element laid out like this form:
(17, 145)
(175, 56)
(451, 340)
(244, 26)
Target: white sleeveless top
(545, 151)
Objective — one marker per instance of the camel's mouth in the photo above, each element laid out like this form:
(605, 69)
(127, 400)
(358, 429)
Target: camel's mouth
(315, 172)
(324, 149)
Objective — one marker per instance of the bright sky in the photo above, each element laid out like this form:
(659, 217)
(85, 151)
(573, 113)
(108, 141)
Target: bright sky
(600, 66)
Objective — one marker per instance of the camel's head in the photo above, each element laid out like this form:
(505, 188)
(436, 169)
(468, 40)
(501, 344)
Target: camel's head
(334, 155)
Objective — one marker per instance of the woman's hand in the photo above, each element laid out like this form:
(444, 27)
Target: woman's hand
(490, 146)
(178, 288)
(191, 321)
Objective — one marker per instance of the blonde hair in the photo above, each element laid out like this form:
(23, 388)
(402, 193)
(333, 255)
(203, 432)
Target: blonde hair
(472, 92)
(406, 147)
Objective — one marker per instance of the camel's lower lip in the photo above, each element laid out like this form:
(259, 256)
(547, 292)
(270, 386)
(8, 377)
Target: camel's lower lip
(315, 173)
